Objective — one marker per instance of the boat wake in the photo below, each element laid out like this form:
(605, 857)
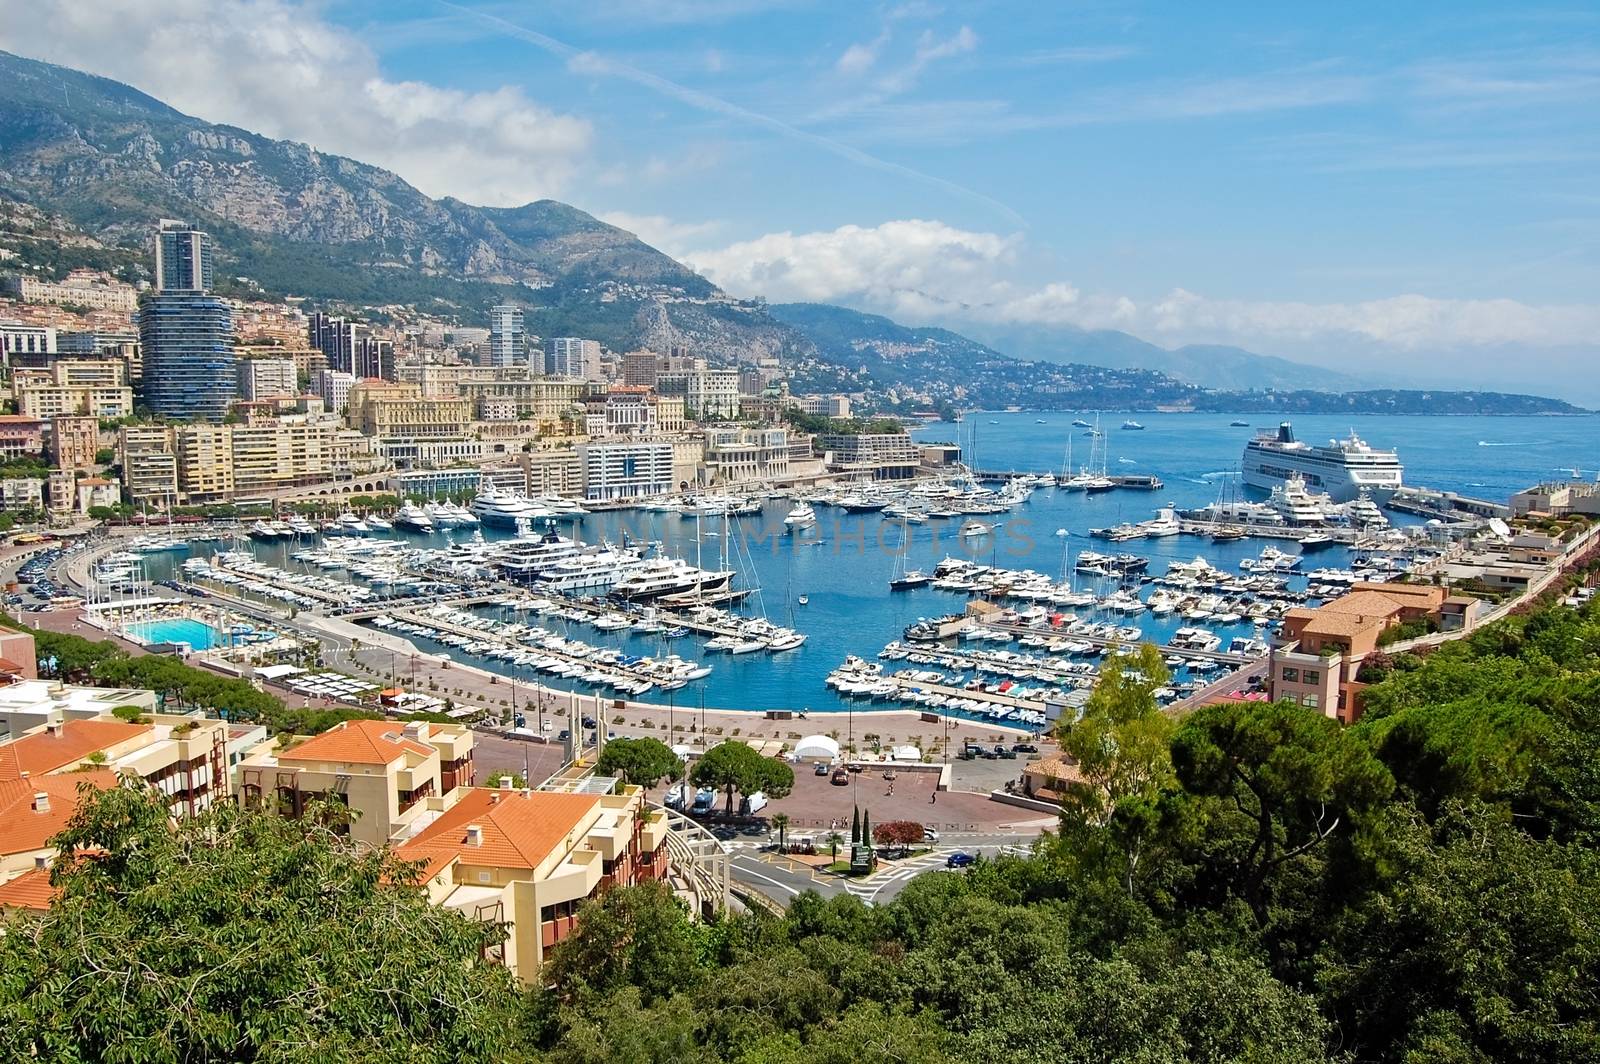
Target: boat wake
(1489, 443)
(1127, 461)
(1206, 478)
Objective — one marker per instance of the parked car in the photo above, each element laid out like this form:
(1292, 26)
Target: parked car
(822, 769)
(959, 860)
(1002, 751)
(972, 750)
(751, 804)
(1025, 748)
(841, 778)
(589, 722)
(704, 800)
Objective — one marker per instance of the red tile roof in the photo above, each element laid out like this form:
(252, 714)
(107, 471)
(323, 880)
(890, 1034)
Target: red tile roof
(23, 828)
(520, 829)
(71, 741)
(31, 890)
(357, 742)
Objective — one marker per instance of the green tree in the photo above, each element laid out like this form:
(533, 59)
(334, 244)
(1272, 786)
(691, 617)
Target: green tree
(644, 762)
(734, 766)
(637, 936)
(780, 824)
(1294, 775)
(240, 936)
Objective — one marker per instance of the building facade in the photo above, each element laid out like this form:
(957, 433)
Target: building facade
(74, 442)
(742, 454)
(81, 288)
(571, 356)
(79, 386)
(707, 394)
(508, 337)
(626, 469)
(268, 378)
(879, 455)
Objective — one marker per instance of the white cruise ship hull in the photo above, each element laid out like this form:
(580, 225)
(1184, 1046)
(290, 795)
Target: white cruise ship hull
(1341, 470)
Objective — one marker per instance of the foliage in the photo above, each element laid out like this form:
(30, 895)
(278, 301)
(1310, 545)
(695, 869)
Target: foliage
(242, 936)
(732, 766)
(644, 762)
(899, 834)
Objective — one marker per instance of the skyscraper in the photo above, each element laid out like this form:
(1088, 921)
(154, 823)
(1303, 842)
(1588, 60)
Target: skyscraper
(186, 333)
(183, 258)
(571, 356)
(508, 339)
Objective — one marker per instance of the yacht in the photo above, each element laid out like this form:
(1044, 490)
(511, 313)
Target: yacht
(589, 574)
(1341, 468)
(526, 558)
(860, 504)
(1298, 506)
(352, 525)
(665, 577)
(414, 517)
(801, 517)
(1079, 423)
(302, 528)
(1239, 424)
(1164, 524)
(1365, 514)
(502, 509)
(379, 524)
(263, 530)
(1132, 425)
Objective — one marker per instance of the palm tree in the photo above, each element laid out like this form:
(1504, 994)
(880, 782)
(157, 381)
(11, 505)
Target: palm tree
(834, 841)
(780, 821)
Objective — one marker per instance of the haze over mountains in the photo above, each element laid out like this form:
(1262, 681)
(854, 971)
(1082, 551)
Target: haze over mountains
(111, 160)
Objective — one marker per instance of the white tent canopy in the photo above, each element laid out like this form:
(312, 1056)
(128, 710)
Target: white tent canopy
(905, 753)
(816, 748)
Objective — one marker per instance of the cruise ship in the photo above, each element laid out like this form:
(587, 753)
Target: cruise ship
(1342, 468)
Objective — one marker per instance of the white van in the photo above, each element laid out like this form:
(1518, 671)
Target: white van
(752, 804)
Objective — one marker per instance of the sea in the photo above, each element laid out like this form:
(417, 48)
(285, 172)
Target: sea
(833, 585)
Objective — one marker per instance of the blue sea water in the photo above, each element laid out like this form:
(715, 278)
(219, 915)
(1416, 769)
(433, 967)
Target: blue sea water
(845, 579)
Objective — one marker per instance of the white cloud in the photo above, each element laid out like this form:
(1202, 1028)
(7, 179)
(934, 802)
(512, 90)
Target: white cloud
(859, 57)
(927, 271)
(277, 68)
(659, 231)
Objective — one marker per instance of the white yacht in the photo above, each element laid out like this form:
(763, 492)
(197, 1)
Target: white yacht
(589, 574)
(664, 577)
(500, 508)
(414, 517)
(1365, 514)
(301, 527)
(802, 516)
(527, 558)
(379, 524)
(1298, 506)
(350, 524)
(1341, 468)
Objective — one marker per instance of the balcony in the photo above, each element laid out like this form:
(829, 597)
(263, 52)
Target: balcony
(574, 879)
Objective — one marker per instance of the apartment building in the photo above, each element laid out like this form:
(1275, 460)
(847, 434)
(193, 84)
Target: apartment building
(530, 859)
(18, 339)
(79, 386)
(571, 356)
(74, 442)
(879, 456)
(626, 469)
(392, 775)
(1317, 655)
(21, 436)
(268, 378)
(205, 462)
(744, 454)
(823, 405)
(149, 463)
(216, 463)
(333, 386)
(551, 472)
(80, 288)
(640, 368)
(544, 400)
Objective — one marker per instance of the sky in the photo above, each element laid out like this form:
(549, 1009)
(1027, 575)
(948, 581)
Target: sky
(1410, 191)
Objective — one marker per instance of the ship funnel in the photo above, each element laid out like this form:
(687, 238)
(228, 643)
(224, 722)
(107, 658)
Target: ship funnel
(1285, 433)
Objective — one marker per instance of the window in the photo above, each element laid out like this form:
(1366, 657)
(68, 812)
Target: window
(1291, 674)
(1310, 701)
(483, 877)
(1310, 676)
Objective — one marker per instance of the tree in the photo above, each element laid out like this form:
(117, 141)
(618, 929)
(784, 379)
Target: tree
(834, 839)
(1294, 775)
(734, 766)
(866, 828)
(233, 935)
(780, 823)
(900, 834)
(633, 936)
(855, 826)
(1122, 745)
(643, 762)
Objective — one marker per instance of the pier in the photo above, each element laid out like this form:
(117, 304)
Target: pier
(1134, 481)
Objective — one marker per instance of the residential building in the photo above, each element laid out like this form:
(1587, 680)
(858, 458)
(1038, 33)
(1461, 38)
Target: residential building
(443, 380)
(79, 386)
(21, 436)
(508, 339)
(74, 442)
(639, 368)
(187, 344)
(823, 405)
(263, 455)
(149, 464)
(1558, 499)
(19, 339)
(879, 456)
(1317, 655)
(205, 462)
(528, 860)
(626, 469)
(571, 356)
(81, 288)
(708, 394)
(22, 493)
(556, 471)
(393, 776)
(89, 492)
(267, 378)
(744, 454)
(545, 400)
(183, 258)
(334, 387)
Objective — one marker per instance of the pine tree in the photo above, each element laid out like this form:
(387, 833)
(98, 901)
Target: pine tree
(866, 829)
(855, 827)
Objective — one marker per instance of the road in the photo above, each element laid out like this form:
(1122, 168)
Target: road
(783, 880)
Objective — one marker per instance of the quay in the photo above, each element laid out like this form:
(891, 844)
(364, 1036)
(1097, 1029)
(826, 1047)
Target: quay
(1136, 481)
(1220, 656)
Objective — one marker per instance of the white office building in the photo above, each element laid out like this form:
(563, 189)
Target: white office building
(572, 356)
(618, 469)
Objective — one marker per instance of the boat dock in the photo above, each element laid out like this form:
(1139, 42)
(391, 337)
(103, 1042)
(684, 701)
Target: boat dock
(1344, 537)
(1220, 656)
(1446, 505)
(1135, 481)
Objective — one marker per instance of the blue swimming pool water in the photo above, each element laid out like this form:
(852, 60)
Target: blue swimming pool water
(198, 635)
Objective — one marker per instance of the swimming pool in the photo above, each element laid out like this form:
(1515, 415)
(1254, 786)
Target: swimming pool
(198, 635)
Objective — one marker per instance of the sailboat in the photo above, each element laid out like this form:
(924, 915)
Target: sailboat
(904, 579)
(1091, 477)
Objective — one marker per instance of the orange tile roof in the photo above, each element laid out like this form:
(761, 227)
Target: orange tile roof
(40, 751)
(31, 890)
(1342, 624)
(520, 829)
(23, 828)
(1367, 603)
(357, 742)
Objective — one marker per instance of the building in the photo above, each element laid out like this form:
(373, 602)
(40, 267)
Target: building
(350, 347)
(385, 411)
(551, 472)
(546, 401)
(186, 339)
(22, 493)
(149, 464)
(570, 356)
(626, 469)
(823, 405)
(79, 386)
(391, 775)
(708, 394)
(743, 454)
(183, 258)
(90, 492)
(267, 378)
(74, 442)
(21, 436)
(443, 380)
(508, 339)
(639, 368)
(205, 462)
(81, 288)
(1558, 499)
(878, 456)
(201, 463)
(334, 388)
(19, 339)
(1317, 656)
(529, 860)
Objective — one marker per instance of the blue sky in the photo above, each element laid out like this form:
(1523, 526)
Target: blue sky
(1386, 187)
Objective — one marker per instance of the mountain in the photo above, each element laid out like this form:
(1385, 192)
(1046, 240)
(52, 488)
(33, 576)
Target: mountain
(1210, 366)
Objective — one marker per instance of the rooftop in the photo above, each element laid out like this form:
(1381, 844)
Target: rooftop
(357, 742)
(31, 890)
(24, 827)
(517, 829)
(59, 745)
